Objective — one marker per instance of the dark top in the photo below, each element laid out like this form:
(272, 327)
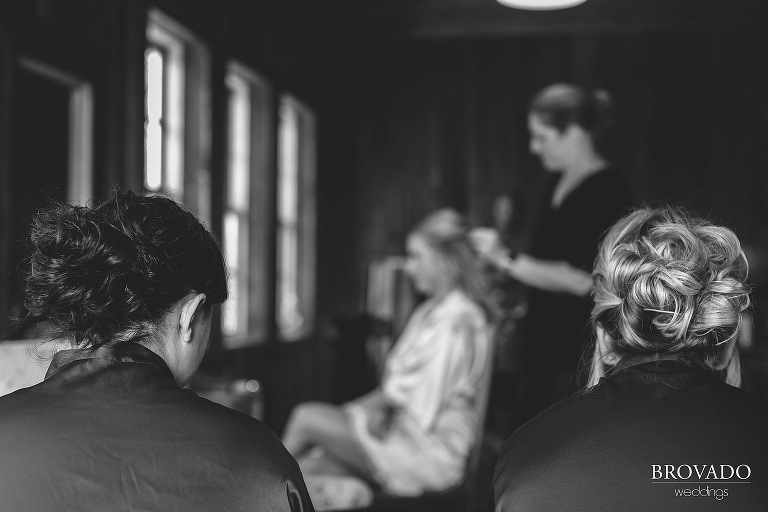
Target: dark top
(110, 430)
(608, 450)
(556, 322)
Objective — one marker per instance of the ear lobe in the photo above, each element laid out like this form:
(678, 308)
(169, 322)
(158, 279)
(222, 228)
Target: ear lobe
(604, 346)
(191, 309)
(722, 362)
(573, 130)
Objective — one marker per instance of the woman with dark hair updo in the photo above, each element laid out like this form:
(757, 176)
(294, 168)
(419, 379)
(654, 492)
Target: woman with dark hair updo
(587, 195)
(415, 431)
(129, 287)
(662, 424)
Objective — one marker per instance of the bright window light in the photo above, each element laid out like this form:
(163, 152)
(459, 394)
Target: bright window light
(153, 127)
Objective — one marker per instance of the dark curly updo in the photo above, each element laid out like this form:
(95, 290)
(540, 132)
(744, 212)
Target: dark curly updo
(109, 274)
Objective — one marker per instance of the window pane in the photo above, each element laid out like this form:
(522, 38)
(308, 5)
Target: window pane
(154, 63)
(230, 311)
(153, 131)
(166, 83)
(236, 224)
(290, 316)
(154, 150)
(289, 165)
(231, 246)
(248, 194)
(239, 142)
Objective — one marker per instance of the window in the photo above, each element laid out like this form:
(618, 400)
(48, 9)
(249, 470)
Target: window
(295, 219)
(246, 207)
(177, 119)
(50, 139)
(80, 151)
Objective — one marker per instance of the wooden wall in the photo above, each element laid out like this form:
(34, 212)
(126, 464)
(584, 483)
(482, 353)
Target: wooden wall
(443, 123)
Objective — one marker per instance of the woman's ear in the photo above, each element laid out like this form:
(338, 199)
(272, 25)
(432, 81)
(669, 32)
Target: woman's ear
(192, 310)
(574, 133)
(722, 361)
(604, 346)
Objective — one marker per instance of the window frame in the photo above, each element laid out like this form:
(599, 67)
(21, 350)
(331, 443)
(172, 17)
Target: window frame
(186, 144)
(80, 165)
(306, 224)
(258, 217)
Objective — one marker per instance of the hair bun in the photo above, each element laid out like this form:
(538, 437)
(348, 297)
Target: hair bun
(725, 295)
(80, 273)
(603, 108)
(602, 97)
(111, 273)
(681, 281)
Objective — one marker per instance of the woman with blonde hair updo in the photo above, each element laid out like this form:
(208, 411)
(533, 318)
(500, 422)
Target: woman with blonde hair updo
(663, 404)
(414, 432)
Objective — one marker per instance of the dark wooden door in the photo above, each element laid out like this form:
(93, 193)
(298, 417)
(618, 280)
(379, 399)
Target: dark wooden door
(40, 134)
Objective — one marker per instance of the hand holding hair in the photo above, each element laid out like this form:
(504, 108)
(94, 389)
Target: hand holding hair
(488, 245)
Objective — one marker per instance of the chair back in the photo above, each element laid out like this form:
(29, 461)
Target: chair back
(469, 482)
(23, 363)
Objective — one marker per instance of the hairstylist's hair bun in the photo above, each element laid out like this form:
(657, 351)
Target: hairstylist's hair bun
(667, 282)
(603, 108)
(561, 105)
(110, 273)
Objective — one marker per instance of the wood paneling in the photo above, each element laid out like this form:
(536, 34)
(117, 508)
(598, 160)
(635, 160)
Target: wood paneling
(442, 123)
(119, 94)
(7, 70)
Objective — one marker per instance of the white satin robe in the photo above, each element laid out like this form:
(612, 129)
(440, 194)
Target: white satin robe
(433, 375)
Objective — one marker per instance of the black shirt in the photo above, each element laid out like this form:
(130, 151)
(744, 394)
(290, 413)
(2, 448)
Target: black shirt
(571, 232)
(611, 448)
(110, 430)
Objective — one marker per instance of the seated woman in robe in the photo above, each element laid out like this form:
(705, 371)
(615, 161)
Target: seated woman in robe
(414, 432)
(130, 287)
(662, 424)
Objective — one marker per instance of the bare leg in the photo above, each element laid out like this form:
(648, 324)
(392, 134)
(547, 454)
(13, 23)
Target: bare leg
(317, 424)
(321, 464)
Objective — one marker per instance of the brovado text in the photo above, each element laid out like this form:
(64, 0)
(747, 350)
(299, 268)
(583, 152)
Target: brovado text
(722, 472)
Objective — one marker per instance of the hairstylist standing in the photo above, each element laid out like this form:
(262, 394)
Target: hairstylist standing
(586, 198)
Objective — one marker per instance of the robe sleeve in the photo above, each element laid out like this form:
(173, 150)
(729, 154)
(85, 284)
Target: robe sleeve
(438, 370)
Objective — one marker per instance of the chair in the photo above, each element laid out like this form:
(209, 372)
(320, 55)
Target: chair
(23, 363)
(466, 496)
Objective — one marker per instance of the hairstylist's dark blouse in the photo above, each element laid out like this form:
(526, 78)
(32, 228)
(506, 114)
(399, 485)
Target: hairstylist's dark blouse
(571, 232)
(655, 436)
(110, 430)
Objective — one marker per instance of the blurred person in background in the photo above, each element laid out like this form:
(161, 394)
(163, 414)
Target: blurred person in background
(586, 196)
(415, 431)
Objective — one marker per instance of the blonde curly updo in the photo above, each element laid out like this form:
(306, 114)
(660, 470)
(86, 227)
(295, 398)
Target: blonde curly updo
(667, 283)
